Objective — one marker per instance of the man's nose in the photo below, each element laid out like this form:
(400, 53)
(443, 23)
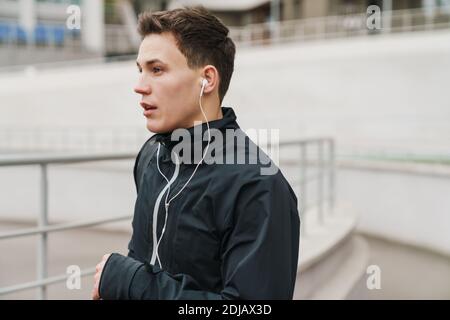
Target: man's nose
(142, 88)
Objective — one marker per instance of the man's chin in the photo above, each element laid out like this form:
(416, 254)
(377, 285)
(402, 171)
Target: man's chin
(156, 127)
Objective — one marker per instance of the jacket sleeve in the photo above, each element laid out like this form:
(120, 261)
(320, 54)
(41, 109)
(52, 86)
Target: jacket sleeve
(259, 254)
(140, 163)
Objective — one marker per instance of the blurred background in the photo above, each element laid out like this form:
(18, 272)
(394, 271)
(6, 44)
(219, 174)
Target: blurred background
(358, 89)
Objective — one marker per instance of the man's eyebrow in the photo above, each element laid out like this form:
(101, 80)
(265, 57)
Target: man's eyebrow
(150, 62)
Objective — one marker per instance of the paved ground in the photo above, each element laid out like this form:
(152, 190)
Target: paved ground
(406, 272)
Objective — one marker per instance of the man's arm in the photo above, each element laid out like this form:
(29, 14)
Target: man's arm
(141, 162)
(259, 255)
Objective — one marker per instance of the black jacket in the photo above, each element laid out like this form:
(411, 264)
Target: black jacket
(232, 233)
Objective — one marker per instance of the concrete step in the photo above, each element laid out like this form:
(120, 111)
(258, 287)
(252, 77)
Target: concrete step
(332, 257)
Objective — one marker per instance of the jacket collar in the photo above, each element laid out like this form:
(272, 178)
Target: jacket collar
(228, 121)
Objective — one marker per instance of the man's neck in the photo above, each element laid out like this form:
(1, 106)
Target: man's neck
(199, 122)
(211, 114)
(216, 115)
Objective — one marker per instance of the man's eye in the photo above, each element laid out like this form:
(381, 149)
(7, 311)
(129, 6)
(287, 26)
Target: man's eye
(156, 69)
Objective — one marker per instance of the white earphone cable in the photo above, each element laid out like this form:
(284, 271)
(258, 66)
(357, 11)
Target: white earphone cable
(167, 202)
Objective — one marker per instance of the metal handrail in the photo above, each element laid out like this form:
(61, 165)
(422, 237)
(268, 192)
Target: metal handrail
(42, 283)
(324, 164)
(43, 161)
(61, 227)
(20, 160)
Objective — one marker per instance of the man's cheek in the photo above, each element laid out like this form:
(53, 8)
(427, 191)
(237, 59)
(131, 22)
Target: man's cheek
(177, 88)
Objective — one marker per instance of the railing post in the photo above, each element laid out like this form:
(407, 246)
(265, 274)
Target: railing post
(303, 179)
(332, 174)
(320, 181)
(42, 243)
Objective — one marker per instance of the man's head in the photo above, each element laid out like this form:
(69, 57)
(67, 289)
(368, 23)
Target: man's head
(179, 48)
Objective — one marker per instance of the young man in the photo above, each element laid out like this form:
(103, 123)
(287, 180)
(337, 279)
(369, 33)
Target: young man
(202, 229)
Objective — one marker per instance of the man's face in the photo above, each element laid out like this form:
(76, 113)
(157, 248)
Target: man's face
(169, 88)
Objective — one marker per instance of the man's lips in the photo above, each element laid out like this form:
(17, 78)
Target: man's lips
(148, 108)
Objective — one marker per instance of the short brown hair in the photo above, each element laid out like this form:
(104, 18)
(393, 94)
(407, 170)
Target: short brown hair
(201, 37)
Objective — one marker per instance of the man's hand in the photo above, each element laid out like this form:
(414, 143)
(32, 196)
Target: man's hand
(98, 274)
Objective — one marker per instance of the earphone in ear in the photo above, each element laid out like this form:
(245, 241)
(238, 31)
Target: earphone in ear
(204, 83)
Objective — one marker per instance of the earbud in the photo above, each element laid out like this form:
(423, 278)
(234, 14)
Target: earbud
(204, 83)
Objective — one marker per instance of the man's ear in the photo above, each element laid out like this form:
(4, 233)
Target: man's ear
(211, 74)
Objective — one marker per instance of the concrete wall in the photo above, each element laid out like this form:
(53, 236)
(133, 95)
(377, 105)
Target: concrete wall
(385, 92)
(369, 93)
(412, 208)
